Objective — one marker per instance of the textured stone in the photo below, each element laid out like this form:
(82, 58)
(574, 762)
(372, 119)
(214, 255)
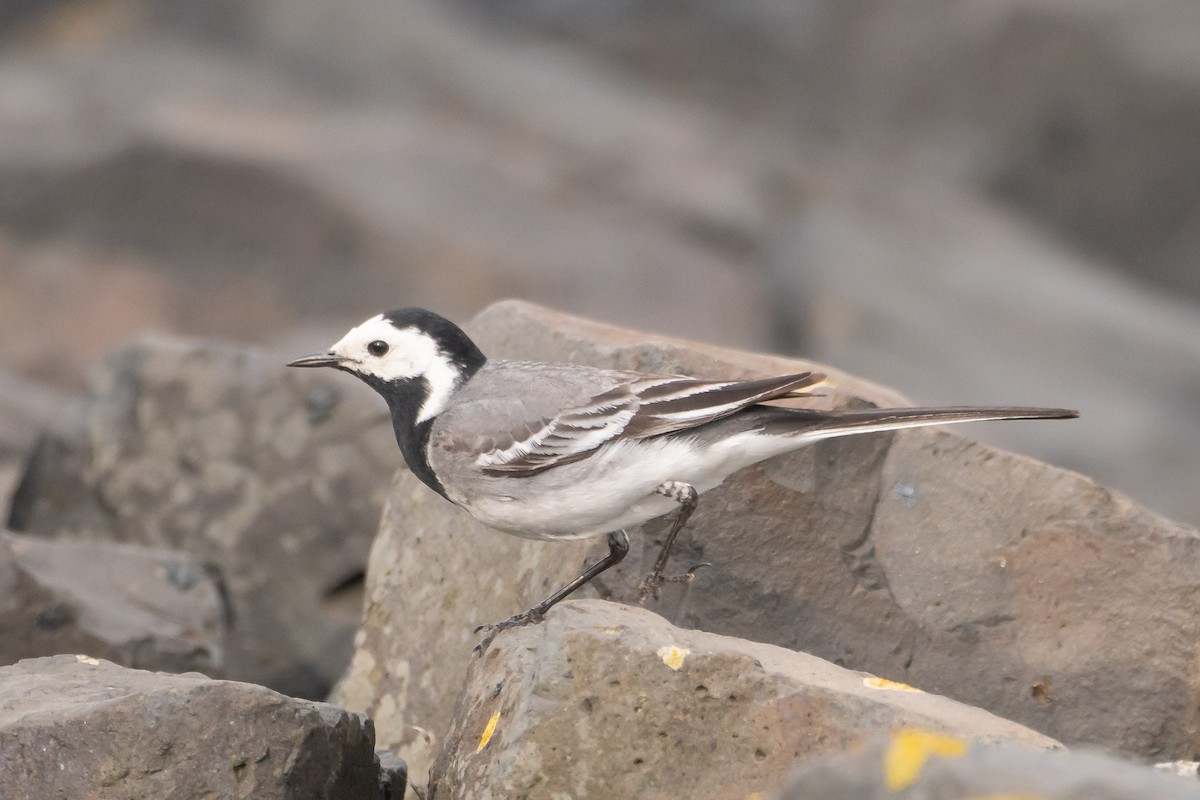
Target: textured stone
(25, 409)
(218, 191)
(889, 270)
(920, 556)
(393, 775)
(73, 726)
(913, 765)
(135, 606)
(275, 476)
(612, 701)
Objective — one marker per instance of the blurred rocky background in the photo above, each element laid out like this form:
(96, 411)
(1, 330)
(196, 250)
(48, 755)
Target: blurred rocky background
(979, 201)
(971, 202)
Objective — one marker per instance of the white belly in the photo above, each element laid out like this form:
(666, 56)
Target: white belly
(610, 491)
(574, 521)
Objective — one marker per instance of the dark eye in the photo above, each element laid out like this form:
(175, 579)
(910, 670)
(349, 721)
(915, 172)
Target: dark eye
(378, 347)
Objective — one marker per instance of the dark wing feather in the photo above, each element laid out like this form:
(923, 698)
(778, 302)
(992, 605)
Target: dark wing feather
(639, 408)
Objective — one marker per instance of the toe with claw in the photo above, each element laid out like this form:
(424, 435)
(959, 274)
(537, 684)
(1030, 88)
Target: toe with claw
(531, 617)
(653, 583)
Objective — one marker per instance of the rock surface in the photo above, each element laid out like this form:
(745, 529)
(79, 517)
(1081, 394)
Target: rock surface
(73, 726)
(918, 765)
(137, 607)
(887, 272)
(274, 475)
(921, 557)
(612, 701)
(251, 187)
(1080, 115)
(393, 775)
(273, 171)
(26, 408)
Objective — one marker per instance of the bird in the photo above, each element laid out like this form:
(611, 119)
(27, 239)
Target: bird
(559, 451)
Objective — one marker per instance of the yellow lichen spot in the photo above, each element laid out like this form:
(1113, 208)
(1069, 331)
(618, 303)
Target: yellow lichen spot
(756, 796)
(609, 630)
(673, 656)
(488, 730)
(910, 749)
(872, 682)
(95, 662)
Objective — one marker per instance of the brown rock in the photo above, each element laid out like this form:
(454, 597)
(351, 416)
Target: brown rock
(276, 477)
(135, 606)
(74, 726)
(922, 557)
(914, 764)
(612, 701)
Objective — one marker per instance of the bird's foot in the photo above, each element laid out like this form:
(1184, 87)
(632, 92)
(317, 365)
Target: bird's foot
(531, 617)
(653, 583)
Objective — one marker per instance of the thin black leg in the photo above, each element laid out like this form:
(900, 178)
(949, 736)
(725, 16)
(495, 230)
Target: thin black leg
(684, 494)
(618, 547)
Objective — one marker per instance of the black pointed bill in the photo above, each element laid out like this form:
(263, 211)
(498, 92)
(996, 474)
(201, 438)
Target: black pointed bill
(317, 360)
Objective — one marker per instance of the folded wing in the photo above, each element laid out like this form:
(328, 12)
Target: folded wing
(638, 408)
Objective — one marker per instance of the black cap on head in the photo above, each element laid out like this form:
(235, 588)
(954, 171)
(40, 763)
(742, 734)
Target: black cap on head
(451, 340)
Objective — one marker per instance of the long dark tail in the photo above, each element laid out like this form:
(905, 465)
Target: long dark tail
(844, 422)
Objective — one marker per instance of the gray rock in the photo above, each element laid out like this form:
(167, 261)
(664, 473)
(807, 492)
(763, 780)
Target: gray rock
(74, 726)
(612, 701)
(220, 451)
(881, 275)
(921, 557)
(211, 190)
(915, 765)
(26, 408)
(308, 200)
(429, 555)
(135, 606)
(393, 775)
(1080, 116)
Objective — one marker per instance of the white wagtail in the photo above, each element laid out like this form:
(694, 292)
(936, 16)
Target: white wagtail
(562, 451)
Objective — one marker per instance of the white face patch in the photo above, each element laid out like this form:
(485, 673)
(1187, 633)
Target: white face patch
(410, 354)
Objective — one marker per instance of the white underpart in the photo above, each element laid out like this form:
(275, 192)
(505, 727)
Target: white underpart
(411, 354)
(624, 474)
